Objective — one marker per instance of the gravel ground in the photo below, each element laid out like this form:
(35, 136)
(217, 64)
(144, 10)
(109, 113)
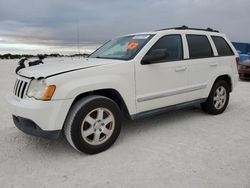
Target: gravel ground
(184, 148)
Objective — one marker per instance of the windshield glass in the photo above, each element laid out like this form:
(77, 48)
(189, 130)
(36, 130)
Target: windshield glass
(123, 48)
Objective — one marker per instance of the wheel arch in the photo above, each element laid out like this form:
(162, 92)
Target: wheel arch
(109, 93)
(227, 78)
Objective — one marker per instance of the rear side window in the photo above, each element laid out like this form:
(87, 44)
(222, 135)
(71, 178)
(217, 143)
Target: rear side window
(222, 46)
(199, 46)
(171, 43)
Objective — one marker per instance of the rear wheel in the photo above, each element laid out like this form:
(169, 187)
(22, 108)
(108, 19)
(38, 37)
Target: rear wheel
(93, 124)
(218, 98)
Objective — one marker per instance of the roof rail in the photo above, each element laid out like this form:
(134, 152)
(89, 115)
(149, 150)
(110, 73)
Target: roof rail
(184, 27)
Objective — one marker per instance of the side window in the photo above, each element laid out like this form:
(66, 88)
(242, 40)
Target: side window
(173, 45)
(199, 46)
(222, 46)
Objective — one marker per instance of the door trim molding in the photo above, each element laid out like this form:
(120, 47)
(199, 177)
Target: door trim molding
(171, 93)
(166, 109)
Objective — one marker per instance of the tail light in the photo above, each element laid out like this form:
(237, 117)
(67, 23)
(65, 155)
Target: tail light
(237, 61)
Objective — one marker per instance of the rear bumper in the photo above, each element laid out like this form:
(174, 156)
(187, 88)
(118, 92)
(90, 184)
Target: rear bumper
(31, 128)
(235, 80)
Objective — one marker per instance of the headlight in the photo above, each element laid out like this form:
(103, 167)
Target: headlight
(40, 90)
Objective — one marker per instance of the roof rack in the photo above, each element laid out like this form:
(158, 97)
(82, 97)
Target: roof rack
(184, 27)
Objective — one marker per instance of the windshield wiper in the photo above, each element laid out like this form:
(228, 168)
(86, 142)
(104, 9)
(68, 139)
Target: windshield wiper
(99, 57)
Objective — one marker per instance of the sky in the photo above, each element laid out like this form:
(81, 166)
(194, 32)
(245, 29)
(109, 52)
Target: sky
(56, 26)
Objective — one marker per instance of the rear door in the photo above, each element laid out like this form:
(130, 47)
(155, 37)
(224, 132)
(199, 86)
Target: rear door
(201, 65)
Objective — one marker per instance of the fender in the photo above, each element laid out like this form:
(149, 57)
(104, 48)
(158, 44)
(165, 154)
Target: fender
(118, 77)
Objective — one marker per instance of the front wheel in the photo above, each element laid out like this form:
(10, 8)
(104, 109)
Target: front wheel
(93, 124)
(218, 98)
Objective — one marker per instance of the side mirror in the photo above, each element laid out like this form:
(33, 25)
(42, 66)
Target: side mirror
(155, 56)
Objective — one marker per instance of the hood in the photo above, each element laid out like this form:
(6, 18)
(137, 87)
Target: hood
(60, 66)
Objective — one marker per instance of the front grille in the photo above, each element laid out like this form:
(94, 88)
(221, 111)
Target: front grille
(20, 88)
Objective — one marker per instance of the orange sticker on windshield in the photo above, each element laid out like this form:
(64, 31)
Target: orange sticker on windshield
(132, 45)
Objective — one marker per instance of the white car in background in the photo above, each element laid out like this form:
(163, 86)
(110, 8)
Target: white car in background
(136, 76)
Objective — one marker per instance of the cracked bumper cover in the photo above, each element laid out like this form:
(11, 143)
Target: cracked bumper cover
(31, 128)
(39, 118)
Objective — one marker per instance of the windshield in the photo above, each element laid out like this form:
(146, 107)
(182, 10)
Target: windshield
(123, 48)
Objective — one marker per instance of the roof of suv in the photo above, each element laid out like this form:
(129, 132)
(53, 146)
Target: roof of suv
(183, 29)
(187, 28)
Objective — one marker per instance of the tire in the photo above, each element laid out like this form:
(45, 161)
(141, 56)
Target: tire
(218, 98)
(93, 124)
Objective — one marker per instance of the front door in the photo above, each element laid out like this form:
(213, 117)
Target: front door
(162, 83)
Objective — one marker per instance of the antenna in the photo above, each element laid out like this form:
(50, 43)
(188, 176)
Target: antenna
(78, 39)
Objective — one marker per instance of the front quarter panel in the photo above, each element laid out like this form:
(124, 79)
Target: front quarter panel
(118, 76)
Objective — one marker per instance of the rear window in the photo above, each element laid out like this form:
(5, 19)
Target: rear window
(222, 46)
(199, 46)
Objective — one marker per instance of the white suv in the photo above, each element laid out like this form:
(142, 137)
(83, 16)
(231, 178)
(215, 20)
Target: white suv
(135, 76)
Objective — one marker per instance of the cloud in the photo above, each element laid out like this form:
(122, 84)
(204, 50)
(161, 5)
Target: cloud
(55, 22)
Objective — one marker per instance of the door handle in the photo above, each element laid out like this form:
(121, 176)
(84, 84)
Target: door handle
(179, 69)
(213, 64)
